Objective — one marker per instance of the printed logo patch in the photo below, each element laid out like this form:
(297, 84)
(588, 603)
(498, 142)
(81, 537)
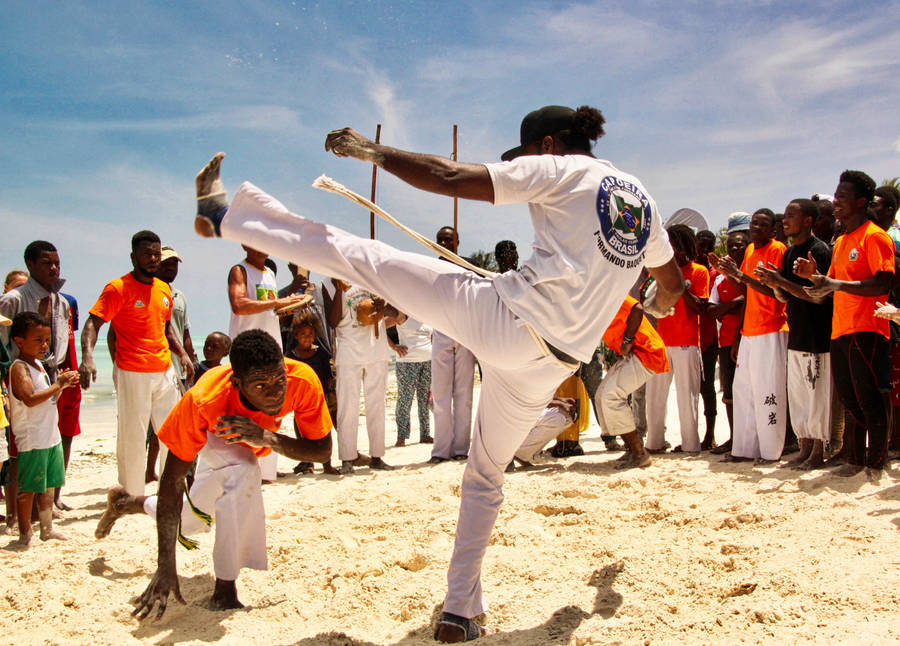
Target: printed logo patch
(624, 214)
(854, 253)
(166, 302)
(139, 303)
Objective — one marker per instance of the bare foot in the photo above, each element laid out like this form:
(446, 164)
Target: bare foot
(426, 440)
(151, 477)
(59, 504)
(330, 470)
(635, 461)
(211, 200)
(53, 534)
(57, 514)
(400, 442)
(114, 497)
(848, 470)
(873, 474)
(24, 540)
(811, 464)
(362, 460)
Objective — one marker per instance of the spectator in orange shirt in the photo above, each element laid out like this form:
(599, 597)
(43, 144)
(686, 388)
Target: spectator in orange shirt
(139, 307)
(726, 304)
(760, 379)
(862, 268)
(681, 334)
(227, 420)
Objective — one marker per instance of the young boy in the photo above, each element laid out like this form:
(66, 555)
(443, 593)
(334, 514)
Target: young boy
(215, 348)
(303, 329)
(34, 421)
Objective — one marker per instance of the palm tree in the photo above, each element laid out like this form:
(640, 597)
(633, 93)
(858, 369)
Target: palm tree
(893, 181)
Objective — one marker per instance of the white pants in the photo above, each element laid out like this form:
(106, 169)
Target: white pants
(552, 422)
(452, 381)
(227, 487)
(809, 394)
(373, 378)
(519, 378)
(611, 398)
(760, 396)
(686, 367)
(268, 467)
(141, 397)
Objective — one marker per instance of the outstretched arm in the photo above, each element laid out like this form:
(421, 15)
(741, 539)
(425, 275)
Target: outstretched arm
(168, 513)
(427, 172)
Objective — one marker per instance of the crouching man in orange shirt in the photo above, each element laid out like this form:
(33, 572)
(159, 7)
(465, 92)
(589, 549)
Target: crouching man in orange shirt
(227, 420)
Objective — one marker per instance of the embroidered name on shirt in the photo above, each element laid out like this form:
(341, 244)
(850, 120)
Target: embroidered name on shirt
(624, 213)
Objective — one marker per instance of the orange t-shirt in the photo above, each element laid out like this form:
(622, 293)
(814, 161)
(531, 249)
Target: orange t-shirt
(184, 431)
(857, 256)
(648, 347)
(139, 313)
(731, 322)
(683, 327)
(763, 314)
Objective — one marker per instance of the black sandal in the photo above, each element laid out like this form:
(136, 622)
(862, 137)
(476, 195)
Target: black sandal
(453, 629)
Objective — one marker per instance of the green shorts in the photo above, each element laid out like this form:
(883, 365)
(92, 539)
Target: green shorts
(41, 469)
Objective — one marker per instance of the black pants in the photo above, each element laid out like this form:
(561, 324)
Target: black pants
(708, 385)
(861, 369)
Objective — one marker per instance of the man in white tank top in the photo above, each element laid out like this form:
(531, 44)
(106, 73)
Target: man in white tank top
(253, 296)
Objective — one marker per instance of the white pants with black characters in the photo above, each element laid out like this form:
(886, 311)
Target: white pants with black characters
(760, 396)
(809, 394)
(518, 377)
(686, 368)
(452, 380)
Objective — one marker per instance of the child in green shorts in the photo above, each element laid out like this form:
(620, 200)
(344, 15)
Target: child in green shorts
(33, 414)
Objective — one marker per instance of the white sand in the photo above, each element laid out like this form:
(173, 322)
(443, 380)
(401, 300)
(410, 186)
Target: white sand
(687, 551)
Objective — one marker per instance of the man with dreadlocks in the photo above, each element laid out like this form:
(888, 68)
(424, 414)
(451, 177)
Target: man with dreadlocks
(595, 228)
(681, 333)
(227, 420)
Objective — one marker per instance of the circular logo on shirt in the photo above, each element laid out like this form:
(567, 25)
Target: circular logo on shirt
(625, 215)
(166, 302)
(854, 253)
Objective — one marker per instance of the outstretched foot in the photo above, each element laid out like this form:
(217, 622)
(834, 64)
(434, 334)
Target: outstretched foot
(114, 497)
(59, 504)
(635, 461)
(211, 202)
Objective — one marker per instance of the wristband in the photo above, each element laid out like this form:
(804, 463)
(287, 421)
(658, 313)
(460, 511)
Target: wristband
(627, 339)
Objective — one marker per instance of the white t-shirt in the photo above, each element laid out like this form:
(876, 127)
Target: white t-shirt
(34, 427)
(595, 227)
(261, 287)
(417, 338)
(356, 343)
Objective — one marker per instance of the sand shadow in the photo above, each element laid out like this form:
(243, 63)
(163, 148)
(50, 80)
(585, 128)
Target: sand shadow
(193, 622)
(99, 567)
(558, 629)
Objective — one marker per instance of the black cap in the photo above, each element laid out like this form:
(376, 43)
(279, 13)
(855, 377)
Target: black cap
(538, 124)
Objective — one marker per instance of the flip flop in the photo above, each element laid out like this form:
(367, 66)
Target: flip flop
(453, 629)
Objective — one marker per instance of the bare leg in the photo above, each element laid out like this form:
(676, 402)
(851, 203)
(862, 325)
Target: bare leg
(67, 451)
(152, 455)
(45, 515)
(11, 493)
(225, 596)
(118, 504)
(24, 501)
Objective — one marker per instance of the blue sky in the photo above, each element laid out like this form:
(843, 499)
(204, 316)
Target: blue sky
(109, 109)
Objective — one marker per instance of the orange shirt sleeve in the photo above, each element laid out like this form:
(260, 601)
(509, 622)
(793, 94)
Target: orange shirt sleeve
(880, 253)
(109, 303)
(184, 431)
(700, 281)
(311, 417)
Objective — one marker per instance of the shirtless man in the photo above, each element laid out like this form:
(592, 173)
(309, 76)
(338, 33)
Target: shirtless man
(227, 420)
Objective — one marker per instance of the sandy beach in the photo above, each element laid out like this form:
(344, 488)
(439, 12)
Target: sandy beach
(687, 551)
